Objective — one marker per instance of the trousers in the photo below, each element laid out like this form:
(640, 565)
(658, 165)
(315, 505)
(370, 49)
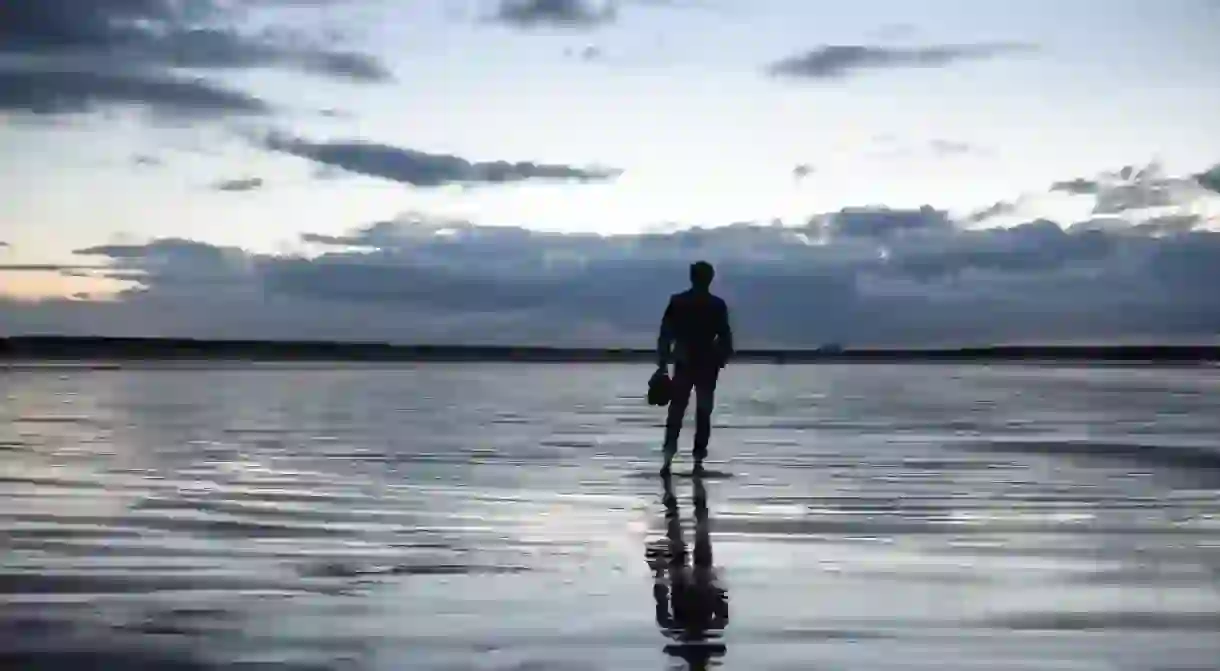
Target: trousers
(702, 380)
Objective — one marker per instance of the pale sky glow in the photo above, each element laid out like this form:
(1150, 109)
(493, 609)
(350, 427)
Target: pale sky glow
(676, 95)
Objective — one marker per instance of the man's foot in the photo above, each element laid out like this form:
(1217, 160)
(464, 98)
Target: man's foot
(698, 469)
(669, 460)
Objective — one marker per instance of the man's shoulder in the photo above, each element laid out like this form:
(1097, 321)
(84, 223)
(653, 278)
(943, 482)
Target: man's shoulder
(697, 297)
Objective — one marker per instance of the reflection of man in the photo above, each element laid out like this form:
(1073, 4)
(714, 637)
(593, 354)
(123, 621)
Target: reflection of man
(692, 608)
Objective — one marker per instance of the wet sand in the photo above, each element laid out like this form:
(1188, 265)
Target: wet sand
(459, 516)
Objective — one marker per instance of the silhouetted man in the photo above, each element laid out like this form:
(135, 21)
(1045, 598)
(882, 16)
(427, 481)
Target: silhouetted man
(695, 335)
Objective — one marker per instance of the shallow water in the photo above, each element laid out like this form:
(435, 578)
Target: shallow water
(508, 517)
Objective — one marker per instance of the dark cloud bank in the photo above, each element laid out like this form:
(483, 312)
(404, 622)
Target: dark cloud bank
(60, 56)
(864, 275)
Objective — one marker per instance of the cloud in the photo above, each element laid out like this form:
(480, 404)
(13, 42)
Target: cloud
(1210, 179)
(802, 170)
(419, 168)
(373, 236)
(864, 276)
(240, 184)
(1078, 186)
(1034, 247)
(176, 266)
(563, 13)
(172, 250)
(883, 223)
(46, 268)
(839, 61)
(196, 34)
(3, 244)
(573, 14)
(870, 275)
(1173, 224)
(997, 209)
(68, 56)
(1131, 188)
(51, 92)
(1118, 198)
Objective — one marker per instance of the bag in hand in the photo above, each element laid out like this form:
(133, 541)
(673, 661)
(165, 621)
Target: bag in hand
(659, 388)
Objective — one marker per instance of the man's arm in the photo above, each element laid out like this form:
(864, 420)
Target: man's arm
(724, 333)
(666, 336)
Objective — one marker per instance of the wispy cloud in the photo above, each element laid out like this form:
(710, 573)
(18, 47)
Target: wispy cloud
(998, 209)
(843, 60)
(1078, 186)
(423, 169)
(49, 92)
(48, 268)
(239, 184)
(563, 13)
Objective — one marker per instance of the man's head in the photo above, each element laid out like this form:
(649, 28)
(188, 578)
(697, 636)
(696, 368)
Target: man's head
(701, 275)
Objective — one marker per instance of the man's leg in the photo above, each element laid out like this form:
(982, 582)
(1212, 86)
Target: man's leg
(705, 402)
(680, 397)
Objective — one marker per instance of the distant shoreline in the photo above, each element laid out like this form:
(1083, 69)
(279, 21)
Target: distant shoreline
(68, 348)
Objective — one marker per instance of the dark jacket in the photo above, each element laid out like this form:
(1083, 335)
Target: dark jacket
(696, 324)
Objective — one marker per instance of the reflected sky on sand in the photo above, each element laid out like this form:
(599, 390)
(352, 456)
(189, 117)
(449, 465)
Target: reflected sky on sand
(511, 517)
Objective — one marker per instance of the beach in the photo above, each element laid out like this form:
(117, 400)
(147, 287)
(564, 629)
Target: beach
(509, 516)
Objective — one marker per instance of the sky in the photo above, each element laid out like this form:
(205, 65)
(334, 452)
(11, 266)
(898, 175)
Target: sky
(543, 171)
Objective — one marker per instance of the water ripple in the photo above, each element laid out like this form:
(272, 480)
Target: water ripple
(510, 517)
